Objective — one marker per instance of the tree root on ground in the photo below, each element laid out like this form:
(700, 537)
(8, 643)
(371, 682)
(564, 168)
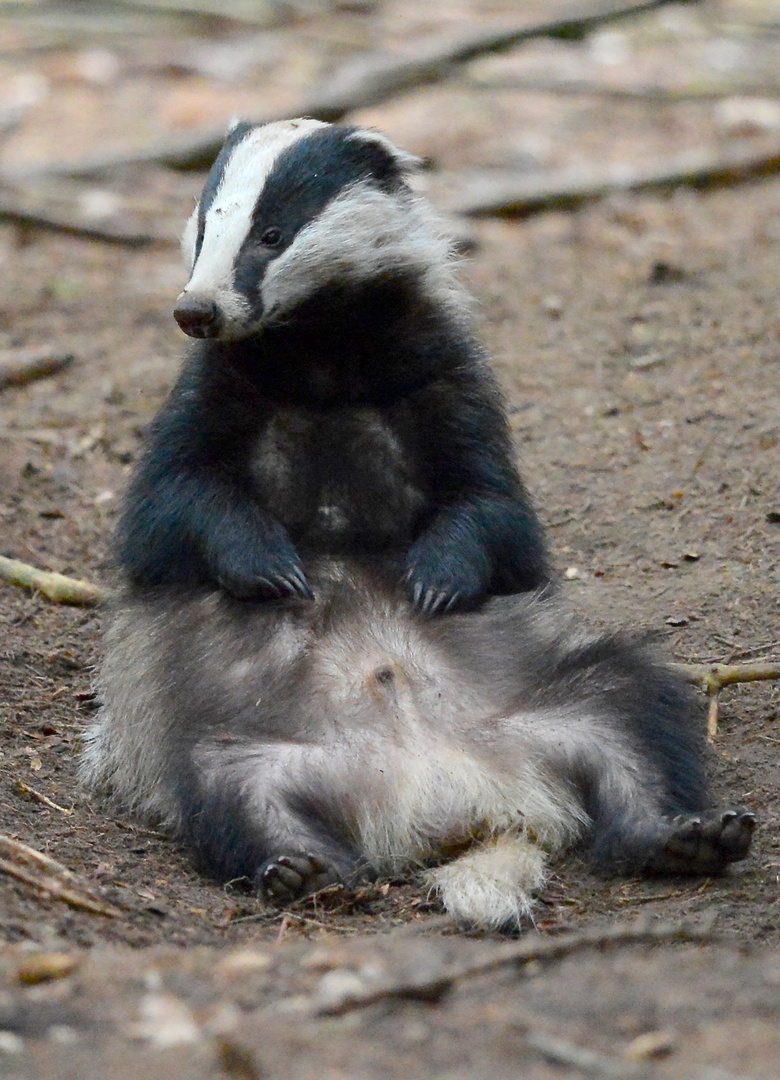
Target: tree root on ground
(51, 877)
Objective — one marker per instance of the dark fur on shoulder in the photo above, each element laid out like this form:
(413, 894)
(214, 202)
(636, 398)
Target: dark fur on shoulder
(341, 435)
(364, 420)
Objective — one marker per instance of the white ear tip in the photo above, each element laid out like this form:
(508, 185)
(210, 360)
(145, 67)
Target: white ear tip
(233, 124)
(409, 162)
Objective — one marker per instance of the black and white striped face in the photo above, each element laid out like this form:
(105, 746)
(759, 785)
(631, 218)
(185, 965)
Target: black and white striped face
(289, 208)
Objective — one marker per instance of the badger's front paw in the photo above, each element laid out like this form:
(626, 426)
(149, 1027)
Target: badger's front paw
(263, 574)
(284, 878)
(705, 843)
(438, 580)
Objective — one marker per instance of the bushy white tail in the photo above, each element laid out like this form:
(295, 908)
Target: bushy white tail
(493, 885)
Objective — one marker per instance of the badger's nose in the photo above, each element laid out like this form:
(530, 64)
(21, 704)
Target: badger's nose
(197, 316)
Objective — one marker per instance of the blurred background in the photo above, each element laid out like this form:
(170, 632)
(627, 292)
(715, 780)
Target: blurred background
(534, 95)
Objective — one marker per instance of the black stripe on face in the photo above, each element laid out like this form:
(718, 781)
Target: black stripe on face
(214, 179)
(305, 178)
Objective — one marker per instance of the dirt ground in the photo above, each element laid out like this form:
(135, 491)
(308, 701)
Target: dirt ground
(638, 341)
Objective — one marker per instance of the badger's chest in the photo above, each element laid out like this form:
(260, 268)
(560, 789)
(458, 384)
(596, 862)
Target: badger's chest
(338, 477)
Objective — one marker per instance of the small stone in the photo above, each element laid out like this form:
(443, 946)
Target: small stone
(648, 360)
(665, 273)
(338, 987)
(165, 1021)
(63, 1034)
(237, 1060)
(245, 962)
(652, 1044)
(45, 966)
(10, 1043)
(552, 306)
(324, 959)
(747, 116)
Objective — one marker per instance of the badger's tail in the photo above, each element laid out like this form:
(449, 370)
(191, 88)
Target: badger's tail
(492, 885)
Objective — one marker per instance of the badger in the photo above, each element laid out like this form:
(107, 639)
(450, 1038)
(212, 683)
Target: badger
(338, 650)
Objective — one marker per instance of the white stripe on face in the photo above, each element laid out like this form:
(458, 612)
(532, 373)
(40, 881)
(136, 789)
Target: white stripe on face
(229, 217)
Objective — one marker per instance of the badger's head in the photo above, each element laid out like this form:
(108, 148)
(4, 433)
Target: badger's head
(293, 207)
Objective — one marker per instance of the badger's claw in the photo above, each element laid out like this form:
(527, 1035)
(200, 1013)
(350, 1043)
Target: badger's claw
(299, 584)
(268, 586)
(294, 584)
(704, 844)
(428, 602)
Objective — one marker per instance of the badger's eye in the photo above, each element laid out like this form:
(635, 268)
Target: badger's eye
(271, 237)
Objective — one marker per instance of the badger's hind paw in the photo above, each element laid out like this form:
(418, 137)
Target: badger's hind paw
(284, 878)
(703, 844)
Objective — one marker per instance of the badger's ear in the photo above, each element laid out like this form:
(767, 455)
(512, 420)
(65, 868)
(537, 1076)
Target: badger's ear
(189, 239)
(400, 161)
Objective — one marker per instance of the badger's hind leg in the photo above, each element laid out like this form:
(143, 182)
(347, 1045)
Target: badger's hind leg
(703, 844)
(493, 884)
(273, 814)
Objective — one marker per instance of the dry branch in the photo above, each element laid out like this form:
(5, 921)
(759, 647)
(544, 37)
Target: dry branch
(57, 587)
(39, 797)
(533, 948)
(642, 94)
(562, 1052)
(254, 12)
(507, 193)
(66, 209)
(34, 868)
(20, 366)
(371, 81)
(374, 80)
(713, 677)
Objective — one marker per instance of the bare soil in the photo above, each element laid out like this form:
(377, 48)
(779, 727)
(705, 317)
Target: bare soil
(638, 343)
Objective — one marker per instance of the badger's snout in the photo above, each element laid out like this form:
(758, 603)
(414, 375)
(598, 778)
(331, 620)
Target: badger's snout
(198, 316)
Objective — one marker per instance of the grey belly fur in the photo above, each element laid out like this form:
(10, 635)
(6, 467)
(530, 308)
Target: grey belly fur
(377, 741)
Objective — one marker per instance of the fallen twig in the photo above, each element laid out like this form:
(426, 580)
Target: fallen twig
(508, 193)
(20, 366)
(533, 948)
(713, 677)
(374, 80)
(249, 11)
(664, 95)
(563, 1052)
(67, 210)
(57, 587)
(39, 797)
(34, 868)
(368, 82)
